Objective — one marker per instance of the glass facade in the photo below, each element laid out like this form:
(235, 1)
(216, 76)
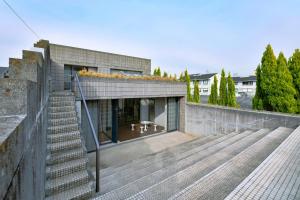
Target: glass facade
(172, 114)
(124, 119)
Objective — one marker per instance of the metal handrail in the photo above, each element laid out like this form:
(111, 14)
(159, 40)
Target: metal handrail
(94, 134)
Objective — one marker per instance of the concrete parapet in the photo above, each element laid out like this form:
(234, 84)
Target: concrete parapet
(114, 88)
(23, 123)
(203, 119)
(13, 96)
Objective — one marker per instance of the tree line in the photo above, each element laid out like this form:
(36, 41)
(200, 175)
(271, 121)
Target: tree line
(226, 95)
(157, 72)
(278, 82)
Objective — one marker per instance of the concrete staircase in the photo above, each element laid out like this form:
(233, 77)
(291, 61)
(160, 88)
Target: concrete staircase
(66, 170)
(208, 168)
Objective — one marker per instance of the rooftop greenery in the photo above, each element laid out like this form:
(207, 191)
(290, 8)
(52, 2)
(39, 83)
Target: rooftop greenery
(85, 73)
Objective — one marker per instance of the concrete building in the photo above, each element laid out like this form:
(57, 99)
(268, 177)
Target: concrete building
(3, 72)
(217, 152)
(205, 82)
(117, 104)
(245, 85)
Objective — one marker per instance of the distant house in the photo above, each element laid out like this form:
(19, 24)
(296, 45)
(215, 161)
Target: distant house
(3, 72)
(205, 82)
(245, 85)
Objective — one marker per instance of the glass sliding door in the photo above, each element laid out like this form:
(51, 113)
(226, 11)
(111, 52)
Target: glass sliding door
(105, 121)
(172, 118)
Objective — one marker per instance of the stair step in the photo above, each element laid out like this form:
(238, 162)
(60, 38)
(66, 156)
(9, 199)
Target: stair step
(182, 179)
(266, 181)
(179, 162)
(63, 146)
(143, 162)
(61, 93)
(62, 128)
(221, 181)
(62, 115)
(61, 109)
(65, 156)
(144, 182)
(61, 137)
(81, 192)
(62, 98)
(61, 184)
(66, 168)
(61, 103)
(63, 121)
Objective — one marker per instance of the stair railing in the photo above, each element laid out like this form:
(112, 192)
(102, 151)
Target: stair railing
(93, 132)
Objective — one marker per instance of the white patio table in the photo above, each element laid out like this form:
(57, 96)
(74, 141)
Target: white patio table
(145, 123)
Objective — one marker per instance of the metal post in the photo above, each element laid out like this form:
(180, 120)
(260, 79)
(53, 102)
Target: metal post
(98, 170)
(94, 135)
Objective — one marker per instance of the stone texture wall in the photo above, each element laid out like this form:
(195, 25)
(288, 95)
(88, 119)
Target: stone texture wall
(207, 119)
(61, 55)
(23, 123)
(112, 88)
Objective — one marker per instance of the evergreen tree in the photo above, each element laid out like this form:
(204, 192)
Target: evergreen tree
(165, 74)
(257, 99)
(155, 72)
(175, 77)
(294, 67)
(282, 97)
(268, 77)
(188, 86)
(181, 77)
(158, 72)
(223, 90)
(231, 92)
(213, 97)
(196, 92)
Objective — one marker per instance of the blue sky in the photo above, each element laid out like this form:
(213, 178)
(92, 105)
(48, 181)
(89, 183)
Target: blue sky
(204, 36)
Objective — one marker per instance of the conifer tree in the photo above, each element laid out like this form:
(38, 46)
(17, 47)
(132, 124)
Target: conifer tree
(231, 92)
(155, 72)
(181, 77)
(282, 97)
(223, 90)
(213, 97)
(257, 99)
(268, 77)
(196, 92)
(294, 67)
(158, 72)
(165, 74)
(188, 86)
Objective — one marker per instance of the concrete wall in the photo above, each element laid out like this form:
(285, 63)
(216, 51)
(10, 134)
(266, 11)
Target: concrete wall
(207, 119)
(61, 55)
(23, 123)
(113, 88)
(182, 114)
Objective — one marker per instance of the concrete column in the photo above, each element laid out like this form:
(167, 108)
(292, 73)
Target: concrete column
(182, 105)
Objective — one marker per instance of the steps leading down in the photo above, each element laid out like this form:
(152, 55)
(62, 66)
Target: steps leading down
(182, 179)
(220, 182)
(182, 159)
(66, 164)
(278, 177)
